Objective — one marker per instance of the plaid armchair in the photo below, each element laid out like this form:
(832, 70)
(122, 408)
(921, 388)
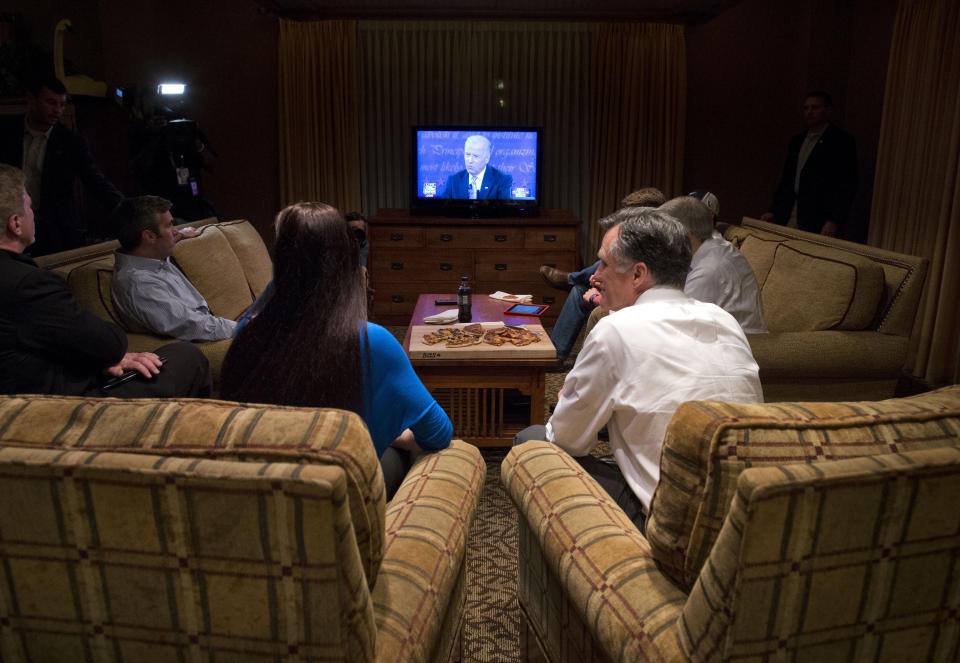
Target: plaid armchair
(801, 531)
(146, 530)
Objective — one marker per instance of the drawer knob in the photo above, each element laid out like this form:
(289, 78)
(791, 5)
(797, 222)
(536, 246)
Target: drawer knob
(549, 300)
(500, 266)
(499, 238)
(445, 266)
(446, 237)
(549, 238)
(396, 237)
(396, 266)
(397, 299)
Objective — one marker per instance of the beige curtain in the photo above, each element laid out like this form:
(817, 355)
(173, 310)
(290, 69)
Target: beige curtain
(318, 132)
(610, 98)
(474, 72)
(916, 199)
(639, 96)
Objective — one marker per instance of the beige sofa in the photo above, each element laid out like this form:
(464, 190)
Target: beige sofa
(840, 314)
(821, 532)
(228, 263)
(188, 530)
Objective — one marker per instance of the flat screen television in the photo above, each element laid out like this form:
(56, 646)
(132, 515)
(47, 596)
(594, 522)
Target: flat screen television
(475, 171)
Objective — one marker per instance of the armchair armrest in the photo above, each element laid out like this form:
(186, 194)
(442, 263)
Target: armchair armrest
(419, 587)
(603, 566)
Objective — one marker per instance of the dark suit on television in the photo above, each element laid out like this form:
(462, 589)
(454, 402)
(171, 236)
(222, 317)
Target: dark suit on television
(496, 184)
(67, 158)
(828, 181)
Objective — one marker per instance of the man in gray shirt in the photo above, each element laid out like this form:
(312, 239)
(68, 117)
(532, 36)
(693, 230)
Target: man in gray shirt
(148, 290)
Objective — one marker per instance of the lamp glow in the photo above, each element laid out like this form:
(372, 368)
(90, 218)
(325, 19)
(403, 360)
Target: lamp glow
(171, 88)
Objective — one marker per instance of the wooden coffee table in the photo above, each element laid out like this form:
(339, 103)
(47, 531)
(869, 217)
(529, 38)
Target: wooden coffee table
(488, 400)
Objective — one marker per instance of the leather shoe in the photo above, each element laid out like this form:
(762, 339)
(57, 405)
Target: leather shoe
(555, 278)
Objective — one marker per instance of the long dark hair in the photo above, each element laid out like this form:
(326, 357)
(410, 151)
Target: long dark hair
(305, 347)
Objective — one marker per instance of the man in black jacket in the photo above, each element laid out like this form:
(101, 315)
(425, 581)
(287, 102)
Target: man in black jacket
(53, 158)
(50, 345)
(819, 178)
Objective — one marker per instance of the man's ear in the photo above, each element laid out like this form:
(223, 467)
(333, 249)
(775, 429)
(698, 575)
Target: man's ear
(642, 276)
(147, 237)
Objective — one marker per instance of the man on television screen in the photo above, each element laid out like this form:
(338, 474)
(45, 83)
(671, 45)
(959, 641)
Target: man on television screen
(478, 180)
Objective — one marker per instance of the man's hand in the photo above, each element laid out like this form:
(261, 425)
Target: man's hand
(830, 229)
(767, 216)
(593, 297)
(146, 363)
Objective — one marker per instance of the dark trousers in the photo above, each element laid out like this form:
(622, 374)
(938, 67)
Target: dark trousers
(185, 373)
(605, 472)
(395, 464)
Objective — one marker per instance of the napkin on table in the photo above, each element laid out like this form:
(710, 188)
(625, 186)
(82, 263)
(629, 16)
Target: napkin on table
(444, 318)
(516, 299)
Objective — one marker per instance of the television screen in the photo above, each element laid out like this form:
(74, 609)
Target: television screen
(476, 169)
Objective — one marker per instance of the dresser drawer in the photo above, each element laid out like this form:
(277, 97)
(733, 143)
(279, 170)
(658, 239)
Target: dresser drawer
(422, 265)
(519, 267)
(550, 239)
(385, 238)
(398, 298)
(474, 238)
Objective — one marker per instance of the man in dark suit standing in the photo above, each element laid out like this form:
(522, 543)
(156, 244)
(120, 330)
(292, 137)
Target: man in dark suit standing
(819, 177)
(53, 158)
(478, 180)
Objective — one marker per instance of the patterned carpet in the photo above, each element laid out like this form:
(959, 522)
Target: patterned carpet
(491, 630)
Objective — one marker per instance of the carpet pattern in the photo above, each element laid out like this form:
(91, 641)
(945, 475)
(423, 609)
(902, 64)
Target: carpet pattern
(491, 628)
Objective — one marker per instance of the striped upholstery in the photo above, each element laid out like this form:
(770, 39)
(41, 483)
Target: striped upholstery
(289, 555)
(708, 444)
(110, 556)
(876, 581)
(593, 588)
(610, 580)
(212, 429)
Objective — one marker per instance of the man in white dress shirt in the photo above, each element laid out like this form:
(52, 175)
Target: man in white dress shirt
(148, 290)
(719, 273)
(657, 349)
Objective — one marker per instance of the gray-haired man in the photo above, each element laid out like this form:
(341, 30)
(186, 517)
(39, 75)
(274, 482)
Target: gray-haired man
(657, 349)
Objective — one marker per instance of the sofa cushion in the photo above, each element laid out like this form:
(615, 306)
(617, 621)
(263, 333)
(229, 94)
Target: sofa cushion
(251, 251)
(708, 444)
(90, 284)
(759, 253)
(813, 287)
(216, 271)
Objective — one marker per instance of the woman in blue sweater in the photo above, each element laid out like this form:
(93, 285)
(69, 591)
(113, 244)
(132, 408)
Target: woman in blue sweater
(312, 346)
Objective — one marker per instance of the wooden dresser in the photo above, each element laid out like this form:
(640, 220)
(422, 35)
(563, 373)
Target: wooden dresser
(411, 255)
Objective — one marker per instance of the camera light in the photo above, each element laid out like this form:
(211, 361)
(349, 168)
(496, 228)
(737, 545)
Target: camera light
(171, 88)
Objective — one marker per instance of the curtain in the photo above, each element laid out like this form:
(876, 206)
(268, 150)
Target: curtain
(495, 73)
(610, 99)
(317, 109)
(639, 96)
(916, 199)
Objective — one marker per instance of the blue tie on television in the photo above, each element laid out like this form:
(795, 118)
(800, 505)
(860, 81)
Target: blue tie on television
(473, 187)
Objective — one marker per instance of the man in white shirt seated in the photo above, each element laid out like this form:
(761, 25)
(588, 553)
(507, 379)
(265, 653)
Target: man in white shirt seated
(657, 349)
(148, 290)
(719, 273)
